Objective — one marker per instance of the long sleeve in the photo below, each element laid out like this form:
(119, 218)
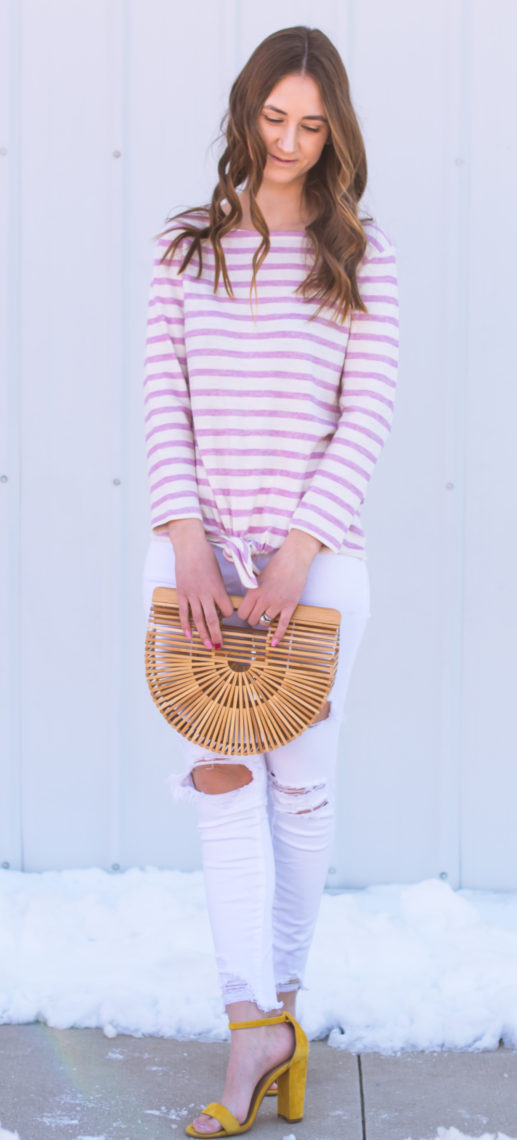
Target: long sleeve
(339, 485)
(168, 419)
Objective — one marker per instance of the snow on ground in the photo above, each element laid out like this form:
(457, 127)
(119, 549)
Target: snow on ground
(392, 967)
(453, 1134)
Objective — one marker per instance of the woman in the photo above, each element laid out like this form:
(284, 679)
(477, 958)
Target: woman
(269, 382)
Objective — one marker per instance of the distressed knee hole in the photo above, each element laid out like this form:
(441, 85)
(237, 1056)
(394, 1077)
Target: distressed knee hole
(305, 810)
(215, 778)
(289, 798)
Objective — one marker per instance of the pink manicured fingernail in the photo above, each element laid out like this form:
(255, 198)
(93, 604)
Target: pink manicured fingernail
(208, 644)
(218, 646)
(274, 642)
(188, 634)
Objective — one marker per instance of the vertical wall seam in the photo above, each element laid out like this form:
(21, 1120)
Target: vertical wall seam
(237, 16)
(117, 572)
(351, 36)
(463, 253)
(14, 401)
(124, 429)
(454, 335)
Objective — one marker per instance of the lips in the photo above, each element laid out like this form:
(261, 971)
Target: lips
(284, 161)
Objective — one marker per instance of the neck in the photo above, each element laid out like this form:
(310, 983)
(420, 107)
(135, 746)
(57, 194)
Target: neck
(283, 207)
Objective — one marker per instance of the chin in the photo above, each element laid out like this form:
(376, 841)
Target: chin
(277, 174)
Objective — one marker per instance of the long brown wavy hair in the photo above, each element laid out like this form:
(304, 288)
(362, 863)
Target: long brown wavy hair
(332, 187)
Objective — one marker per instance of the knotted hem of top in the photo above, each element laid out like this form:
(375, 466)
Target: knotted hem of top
(236, 550)
(241, 552)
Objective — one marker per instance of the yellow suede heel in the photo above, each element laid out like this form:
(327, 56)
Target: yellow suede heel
(291, 1089)
(290, 1075)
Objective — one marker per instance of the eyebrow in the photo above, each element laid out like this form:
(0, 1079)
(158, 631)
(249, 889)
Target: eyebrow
(279, 112)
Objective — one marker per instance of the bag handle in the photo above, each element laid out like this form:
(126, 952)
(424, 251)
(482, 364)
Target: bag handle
(167, 596)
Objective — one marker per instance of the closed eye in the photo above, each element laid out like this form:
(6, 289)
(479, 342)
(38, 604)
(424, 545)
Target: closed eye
(312, 130)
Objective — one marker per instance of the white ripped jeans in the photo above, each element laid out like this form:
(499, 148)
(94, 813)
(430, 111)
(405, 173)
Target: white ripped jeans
(265, 846)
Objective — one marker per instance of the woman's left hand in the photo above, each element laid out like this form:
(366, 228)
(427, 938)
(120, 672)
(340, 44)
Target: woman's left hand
(281, 582)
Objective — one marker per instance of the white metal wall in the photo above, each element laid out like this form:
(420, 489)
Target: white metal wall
(107, 112)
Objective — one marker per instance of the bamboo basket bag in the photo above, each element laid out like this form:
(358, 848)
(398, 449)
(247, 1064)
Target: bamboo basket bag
(247, 697)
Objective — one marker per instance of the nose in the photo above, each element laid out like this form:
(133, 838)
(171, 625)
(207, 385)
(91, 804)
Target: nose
(287, 139)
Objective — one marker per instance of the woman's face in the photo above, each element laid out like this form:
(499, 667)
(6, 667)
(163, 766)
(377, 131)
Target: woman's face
(294, 127)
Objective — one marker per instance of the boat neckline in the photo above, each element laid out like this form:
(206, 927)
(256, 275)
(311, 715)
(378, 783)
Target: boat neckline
(242, 230)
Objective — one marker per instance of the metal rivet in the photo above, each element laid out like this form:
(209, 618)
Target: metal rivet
(3, 150)
(3, 478)
(6, 865)
(449, 486)
(116, 482)
(459, 162)
(115, 866)
(116, 153)
(332, 870)
(443, 875)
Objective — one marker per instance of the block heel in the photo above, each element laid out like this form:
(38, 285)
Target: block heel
(291, 1089)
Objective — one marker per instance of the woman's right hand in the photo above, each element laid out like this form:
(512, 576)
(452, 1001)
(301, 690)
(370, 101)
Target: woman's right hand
(199, 582)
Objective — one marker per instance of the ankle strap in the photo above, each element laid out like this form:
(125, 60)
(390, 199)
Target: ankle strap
(260, 1021)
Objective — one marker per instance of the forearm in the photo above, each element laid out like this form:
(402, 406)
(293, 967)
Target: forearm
(302, 545)
(186, 534)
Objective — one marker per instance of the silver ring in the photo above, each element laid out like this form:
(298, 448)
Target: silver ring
(266, 618)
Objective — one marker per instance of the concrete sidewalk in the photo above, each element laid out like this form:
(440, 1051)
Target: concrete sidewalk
(77, 1084)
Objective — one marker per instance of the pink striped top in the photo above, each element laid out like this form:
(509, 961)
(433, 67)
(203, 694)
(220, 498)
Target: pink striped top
(257, 419)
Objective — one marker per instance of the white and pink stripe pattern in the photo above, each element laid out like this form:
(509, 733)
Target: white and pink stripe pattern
(257, 418)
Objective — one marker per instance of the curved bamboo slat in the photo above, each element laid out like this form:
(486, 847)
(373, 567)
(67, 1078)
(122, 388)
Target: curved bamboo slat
(247, 697)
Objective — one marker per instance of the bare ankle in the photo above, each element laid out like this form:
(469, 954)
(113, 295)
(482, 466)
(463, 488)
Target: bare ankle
(288, 999)
(247, 1011)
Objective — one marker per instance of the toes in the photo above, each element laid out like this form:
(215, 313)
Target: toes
(207, 1124)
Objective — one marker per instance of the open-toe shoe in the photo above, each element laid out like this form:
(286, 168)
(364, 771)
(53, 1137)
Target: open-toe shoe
(290, 1076)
